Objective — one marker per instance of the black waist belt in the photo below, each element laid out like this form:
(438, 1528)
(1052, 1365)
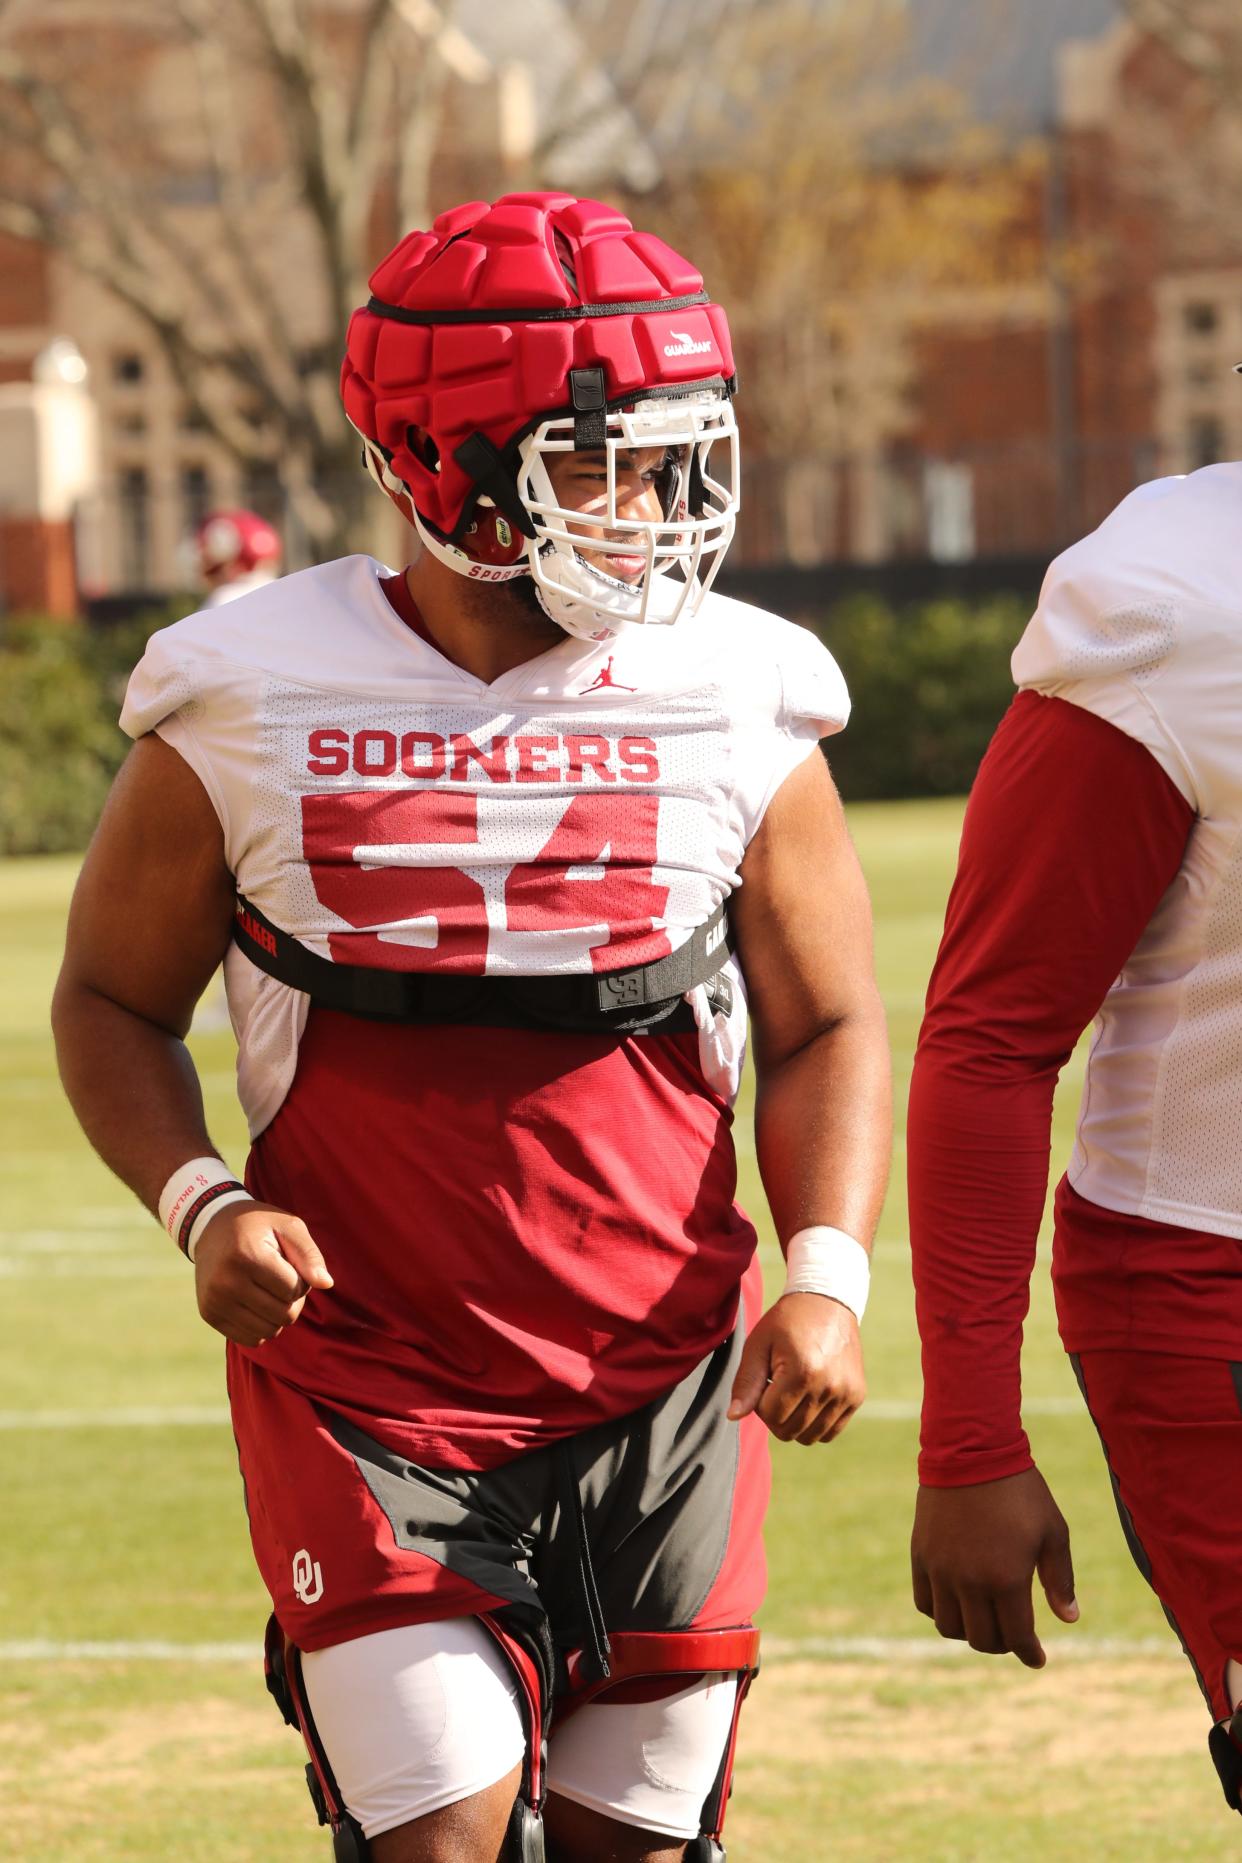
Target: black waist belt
(645, 1000)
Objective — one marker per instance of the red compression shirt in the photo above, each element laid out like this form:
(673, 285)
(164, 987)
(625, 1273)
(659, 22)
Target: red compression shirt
(1072, 835)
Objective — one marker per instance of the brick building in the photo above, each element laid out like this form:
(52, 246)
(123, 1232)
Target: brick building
(992, 423)
(38, 492)
(1032, 410)
(104, 510)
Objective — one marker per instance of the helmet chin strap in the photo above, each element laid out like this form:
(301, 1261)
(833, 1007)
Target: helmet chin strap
(594, 606)
(583, 601)
(456, 558)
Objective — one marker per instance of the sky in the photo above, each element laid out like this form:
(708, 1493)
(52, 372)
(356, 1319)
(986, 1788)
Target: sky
(1004, 51)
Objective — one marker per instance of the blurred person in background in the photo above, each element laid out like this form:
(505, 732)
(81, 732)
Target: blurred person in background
(235, 552)
(498, 1372)
(1099, 876)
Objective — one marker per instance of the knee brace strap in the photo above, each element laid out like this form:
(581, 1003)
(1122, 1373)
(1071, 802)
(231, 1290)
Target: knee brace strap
(531, 1665)
(1225, 1746)
(282, 1662)
(639, 1657)
(282, 1665)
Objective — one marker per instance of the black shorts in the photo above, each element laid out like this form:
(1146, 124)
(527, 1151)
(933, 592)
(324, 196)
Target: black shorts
(652, 1521)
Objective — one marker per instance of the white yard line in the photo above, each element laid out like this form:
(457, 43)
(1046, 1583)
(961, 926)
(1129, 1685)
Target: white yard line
(905, 1410)
(45, 1649)
(195, 1416)
(101, 1216)
(87, 1267)
(136, 1416)
(938, 1649)
(21, 1242)
(892, 1650)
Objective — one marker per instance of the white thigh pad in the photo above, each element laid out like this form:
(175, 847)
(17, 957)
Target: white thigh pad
(650, 1763)
(414, 1719)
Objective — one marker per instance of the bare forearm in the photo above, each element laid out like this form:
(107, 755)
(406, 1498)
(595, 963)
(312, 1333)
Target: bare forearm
(823, 1125)
(133, 1087)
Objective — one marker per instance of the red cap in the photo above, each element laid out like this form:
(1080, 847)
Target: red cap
(243, 538)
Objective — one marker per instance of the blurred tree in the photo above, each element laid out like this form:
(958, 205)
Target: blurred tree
(214, 165)
(1179, 123)
(227, 169)
(835, 195)
(230, 169)
(1206, 35)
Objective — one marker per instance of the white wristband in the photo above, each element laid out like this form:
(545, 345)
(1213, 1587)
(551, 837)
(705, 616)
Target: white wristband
(827, 1261)
(193, 1195)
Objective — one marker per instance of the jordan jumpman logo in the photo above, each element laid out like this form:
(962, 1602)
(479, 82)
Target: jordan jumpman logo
(604, 680)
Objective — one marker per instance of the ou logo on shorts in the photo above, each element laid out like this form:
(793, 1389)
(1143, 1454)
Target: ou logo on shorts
(307, 1577)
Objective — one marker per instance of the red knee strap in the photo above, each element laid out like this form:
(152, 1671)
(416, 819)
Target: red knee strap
(639, 1660)
(643, 1664)
(530, 1682)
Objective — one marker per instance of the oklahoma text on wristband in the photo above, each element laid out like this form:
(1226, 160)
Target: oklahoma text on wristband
(193, 1195)
(827, 1261)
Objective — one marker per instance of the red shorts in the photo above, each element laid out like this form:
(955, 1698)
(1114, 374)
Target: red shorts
(651, 1521)
(1171, 1429)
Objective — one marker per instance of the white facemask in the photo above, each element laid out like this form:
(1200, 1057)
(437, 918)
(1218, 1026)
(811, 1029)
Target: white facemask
(682, 552)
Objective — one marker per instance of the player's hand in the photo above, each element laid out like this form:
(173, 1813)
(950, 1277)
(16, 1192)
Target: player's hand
(253, 1268)
(802, 1369)
(974, 1554)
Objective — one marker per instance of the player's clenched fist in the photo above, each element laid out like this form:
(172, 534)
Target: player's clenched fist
(253, 1268)
(802, 1369)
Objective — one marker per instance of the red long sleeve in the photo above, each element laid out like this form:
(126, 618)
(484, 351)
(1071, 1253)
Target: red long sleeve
(1072, 835)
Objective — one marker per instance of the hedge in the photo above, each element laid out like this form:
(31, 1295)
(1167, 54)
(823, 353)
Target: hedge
(61, 687)
(929, 683)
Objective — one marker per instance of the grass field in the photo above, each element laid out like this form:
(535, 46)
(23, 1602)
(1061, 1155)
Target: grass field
(133, 1727)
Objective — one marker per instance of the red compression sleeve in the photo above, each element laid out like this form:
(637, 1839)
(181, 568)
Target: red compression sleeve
(1072, 835)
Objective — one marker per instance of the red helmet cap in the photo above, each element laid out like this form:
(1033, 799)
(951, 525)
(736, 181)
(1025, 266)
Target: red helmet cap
(240, 537)
(503, 314)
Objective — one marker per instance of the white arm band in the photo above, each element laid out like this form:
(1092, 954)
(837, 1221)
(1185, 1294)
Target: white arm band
(827, 1261)
(193, 1195)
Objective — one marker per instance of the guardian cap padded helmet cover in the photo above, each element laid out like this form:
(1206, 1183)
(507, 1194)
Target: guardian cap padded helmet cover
(518, 330)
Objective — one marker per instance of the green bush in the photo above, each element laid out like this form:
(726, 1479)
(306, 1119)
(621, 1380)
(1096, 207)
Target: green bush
(929, 684)
(61, 687)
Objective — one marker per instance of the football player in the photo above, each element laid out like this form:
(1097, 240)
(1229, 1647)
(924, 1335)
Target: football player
(500, 847)
(1099, 877)
(235, 551)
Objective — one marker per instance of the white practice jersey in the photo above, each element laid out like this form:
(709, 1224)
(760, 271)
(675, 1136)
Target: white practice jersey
(1141, 623)
(584, 812)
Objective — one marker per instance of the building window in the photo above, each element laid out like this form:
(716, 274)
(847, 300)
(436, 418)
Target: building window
(134, 527)
(128, 368)
(1205, 442)
(1202, 318)
(1198, 335)
(263, 494)
(949, 497)
(195, 495)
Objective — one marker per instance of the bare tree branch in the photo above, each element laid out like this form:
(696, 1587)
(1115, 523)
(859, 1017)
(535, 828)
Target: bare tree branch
(279, 379)
(315, 116)
(371, 81)
(422, 83)
(1204, 34)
